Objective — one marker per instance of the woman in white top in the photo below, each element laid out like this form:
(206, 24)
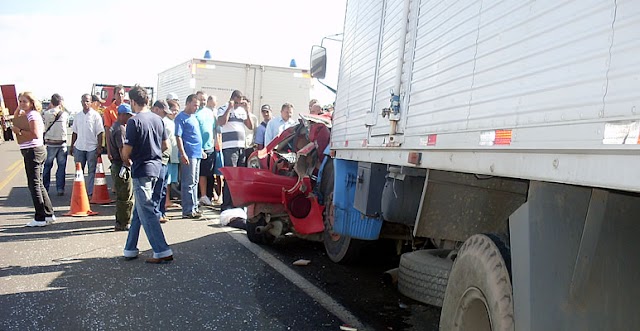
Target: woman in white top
(34, 153)
(174, 160)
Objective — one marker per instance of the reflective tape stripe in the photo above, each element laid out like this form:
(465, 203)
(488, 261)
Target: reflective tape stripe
(621, 133)
(100, 181)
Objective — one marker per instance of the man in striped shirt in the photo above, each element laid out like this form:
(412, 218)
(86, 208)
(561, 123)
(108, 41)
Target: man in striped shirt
(232, 118)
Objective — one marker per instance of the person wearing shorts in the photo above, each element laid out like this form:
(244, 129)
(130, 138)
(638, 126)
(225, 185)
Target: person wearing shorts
(207, 122)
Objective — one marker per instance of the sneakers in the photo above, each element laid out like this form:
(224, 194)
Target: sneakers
(50, 219)
(35, 223)
(164, 219)
(204, 201)
(193, 216)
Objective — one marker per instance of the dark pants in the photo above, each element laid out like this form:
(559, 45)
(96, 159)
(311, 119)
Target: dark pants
(8, 134)
(233, 157)
(206, 171)
(124, 195)
(33, 165)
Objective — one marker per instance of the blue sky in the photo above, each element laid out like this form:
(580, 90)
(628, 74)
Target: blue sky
(66, 46)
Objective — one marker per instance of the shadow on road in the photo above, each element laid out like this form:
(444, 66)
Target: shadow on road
(55, 231)
(214, 283)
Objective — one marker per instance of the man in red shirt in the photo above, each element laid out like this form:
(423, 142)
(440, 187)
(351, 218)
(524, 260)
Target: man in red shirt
(110, 115)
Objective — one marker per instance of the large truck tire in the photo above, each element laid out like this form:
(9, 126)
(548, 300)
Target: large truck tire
(423, 275)
(340, 249)
(264, 238)
(479, 295)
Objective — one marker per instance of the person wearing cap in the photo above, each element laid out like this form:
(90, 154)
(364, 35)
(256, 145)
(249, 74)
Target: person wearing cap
(259, 136)
(172, 96)
(189, 141)
(86, 140)
(110, 114)
(123, 185)
(279, 123)
(161, 109)
(144, 143)
(56, 122)
(207, 121)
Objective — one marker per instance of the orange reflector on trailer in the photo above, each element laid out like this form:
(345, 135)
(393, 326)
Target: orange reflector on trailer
(496, 137)
(503, 137)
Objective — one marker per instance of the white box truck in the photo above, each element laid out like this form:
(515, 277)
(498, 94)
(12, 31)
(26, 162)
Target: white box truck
(508, 149)
(262, 84)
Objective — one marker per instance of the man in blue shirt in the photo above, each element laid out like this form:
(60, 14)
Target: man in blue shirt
(262, 128)
(145, 140)
(189, 140)
(280, 123)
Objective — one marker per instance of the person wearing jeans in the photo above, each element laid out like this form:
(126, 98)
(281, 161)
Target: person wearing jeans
(146, 215)
(189, 176)
(55, 138)
(145, 141)
(90, 160)
(34, 153)
(161, 109)
(189, 142)
(86, 140)
(59, 154)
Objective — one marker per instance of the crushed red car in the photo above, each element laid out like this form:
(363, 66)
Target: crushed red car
(287, 186)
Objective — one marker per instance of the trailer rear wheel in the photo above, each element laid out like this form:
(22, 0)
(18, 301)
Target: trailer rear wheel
(339, 248)
(479, 295)
(423, 275)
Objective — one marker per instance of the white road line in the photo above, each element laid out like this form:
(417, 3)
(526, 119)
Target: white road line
(311, 290)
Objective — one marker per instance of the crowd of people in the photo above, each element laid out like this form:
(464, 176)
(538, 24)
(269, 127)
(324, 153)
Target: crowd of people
(151, 149)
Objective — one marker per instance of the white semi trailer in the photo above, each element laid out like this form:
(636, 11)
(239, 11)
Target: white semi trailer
(502, 138)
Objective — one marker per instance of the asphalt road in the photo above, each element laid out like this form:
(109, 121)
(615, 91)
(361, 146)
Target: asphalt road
(70, 276)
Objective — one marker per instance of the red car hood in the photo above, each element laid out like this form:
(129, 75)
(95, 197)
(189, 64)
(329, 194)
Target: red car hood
(250, 185)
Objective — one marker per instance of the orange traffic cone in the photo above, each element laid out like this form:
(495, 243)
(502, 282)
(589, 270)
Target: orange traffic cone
(100, 190)
(79, 199)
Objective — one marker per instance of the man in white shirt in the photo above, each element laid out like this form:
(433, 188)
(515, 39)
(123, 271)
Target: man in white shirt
(55, 138)
(279, 123)
(86, 141)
